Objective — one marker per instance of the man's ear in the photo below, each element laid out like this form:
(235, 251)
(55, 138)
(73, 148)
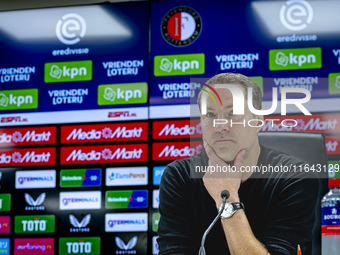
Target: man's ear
(260, 122)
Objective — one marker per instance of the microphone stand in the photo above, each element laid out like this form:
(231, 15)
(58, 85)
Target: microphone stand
(224, 197)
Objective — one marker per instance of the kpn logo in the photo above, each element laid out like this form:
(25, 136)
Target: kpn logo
(18, 99)
(292, 59)
(334, 83)
(183, 64)
(68, 71)
(79, 245)
(124, 93)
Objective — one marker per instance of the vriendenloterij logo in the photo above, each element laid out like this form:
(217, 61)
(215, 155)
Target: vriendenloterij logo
(183, 64)
(70, 28)
(296, 15)
(68, 71)
(291, 59)
(19, 99)
(125, 93)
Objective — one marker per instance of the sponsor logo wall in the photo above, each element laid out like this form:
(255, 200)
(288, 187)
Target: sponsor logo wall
(88, 118)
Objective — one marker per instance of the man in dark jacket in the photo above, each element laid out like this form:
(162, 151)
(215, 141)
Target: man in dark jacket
(268, 212)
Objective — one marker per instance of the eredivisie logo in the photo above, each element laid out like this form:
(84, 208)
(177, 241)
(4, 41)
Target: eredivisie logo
(181, 26)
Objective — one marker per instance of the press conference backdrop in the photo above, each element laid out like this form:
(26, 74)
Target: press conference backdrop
(92, 108)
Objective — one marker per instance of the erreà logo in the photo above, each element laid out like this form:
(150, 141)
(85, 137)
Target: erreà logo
(125, 93)
(18, 99)
(292, 59)
(68, 71)
(184, 64)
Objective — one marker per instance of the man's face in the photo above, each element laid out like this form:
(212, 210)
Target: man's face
(226, 139)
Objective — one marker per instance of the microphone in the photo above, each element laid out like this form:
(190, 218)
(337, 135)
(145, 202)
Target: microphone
(225, 195)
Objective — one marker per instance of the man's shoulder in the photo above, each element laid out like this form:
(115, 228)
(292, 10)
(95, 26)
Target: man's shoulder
(277, 157)
(183, 166)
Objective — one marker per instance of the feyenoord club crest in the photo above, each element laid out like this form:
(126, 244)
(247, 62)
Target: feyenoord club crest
(181, 26)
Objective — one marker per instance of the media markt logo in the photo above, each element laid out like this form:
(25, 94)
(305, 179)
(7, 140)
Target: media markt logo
(18, 99)
(79, 245)
(334, 83)
(80, 178)
(126, 199)
(34, 224)
(292, 59)
(124, 93)
(169, 65)
(68, 71)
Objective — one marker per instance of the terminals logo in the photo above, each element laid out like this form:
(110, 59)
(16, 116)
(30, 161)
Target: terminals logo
(35, 204)
(80, 226)
(181, 26)
(126, 199)
(126, 222)
(34, 224)
(125, 93)
(35, 179)
(126, 248)
(80, 178)
(183, 64)
(296, 15)
(80, 200)
(291, 59)
(68, 71)
(334, 83)
(70, 28)
(18, 99)
(155, 199)
(79, 245)
(5, 202)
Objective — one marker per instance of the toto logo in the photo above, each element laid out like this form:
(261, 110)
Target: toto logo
(295, 15)
(70, 28)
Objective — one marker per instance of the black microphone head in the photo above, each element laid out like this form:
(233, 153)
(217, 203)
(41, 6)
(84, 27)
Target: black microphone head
(225, 193)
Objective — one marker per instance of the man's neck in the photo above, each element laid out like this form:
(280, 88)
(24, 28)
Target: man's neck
(250, 160)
